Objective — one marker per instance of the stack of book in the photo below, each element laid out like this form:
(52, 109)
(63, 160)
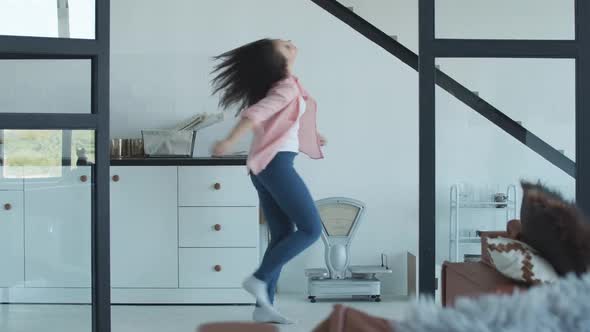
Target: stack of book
(200, 121)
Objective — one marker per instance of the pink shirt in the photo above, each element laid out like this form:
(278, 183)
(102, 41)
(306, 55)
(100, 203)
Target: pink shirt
(274, 115)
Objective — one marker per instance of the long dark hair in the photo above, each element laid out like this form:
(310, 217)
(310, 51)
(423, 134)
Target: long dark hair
(244, 75)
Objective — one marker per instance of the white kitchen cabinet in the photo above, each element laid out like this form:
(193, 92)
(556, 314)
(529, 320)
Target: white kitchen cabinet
(144, 227)
(215, 186)
(218, 227)
(216, 267)
(57, 219)
(11, 239)
(176, 236)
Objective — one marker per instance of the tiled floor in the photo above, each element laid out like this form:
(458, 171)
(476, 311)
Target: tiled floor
(61, 318)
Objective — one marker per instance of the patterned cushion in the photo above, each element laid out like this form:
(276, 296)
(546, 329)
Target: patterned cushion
(512, 232)
(517, 260)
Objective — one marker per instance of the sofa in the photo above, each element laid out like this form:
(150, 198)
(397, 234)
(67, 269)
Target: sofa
(474, 279)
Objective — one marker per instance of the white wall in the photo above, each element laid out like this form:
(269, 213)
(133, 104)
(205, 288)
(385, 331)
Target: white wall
(160, 64)
(505, 19)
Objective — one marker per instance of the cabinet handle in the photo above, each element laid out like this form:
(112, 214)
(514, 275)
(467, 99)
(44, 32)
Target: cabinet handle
(7, 206)
(84, 178)
(217, 227)
(217, 186)
(116, 178)
(217, 268)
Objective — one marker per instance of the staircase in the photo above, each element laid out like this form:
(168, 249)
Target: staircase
(465, 95)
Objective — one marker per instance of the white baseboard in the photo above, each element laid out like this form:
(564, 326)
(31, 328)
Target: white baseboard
(181, 296)
(45, 295)
(127, 296)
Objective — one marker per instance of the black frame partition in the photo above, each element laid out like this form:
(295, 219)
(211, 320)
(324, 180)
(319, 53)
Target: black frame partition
(426, 150)
(424, 62)
(431, 48)
(583, 105)
(96, 50)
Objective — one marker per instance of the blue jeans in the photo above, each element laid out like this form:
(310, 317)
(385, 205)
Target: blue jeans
(286, 204)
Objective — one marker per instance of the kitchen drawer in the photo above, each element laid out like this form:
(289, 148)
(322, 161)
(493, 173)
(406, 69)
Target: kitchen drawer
(215, 186)
(218, 227)
(198, 267)
(14, 179)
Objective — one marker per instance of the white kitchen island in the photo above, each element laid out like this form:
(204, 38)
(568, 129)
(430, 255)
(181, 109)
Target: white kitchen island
(182, 231)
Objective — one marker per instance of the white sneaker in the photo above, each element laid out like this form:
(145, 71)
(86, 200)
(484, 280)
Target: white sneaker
(269, 315)
(258, 289)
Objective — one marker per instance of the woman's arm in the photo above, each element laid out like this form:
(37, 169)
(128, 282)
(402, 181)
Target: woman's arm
(243, 127)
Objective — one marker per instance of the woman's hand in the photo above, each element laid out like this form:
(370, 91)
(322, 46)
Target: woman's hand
(222, 147)
(323, 140)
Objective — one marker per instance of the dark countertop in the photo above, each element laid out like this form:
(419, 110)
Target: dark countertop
(204, 161)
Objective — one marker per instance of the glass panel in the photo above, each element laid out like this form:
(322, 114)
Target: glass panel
(48, 18)
(82, 19)
(82, 148)
(45, 253)
(39, 148)
(505, 19)
(479, 167)
(538, 93)
(45, 86)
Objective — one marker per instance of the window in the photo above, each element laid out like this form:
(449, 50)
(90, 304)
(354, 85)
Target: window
(48, 18)
(43, 153)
